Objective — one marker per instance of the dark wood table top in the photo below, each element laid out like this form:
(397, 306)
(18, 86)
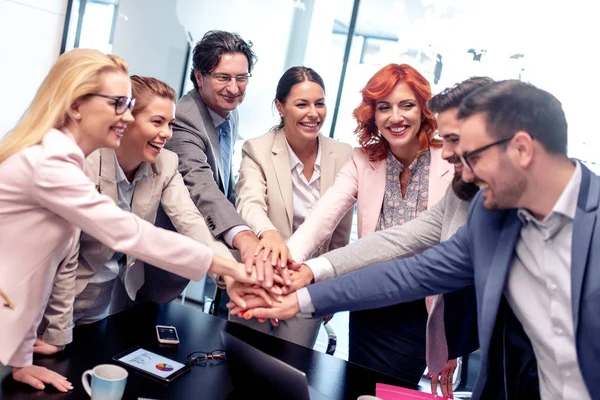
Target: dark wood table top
(97, 343)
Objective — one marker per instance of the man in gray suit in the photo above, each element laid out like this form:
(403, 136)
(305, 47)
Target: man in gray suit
(204, 133)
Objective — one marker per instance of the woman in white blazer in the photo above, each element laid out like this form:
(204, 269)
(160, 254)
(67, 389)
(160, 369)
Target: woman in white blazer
(46, 199)
(282, 176)
(139, 176)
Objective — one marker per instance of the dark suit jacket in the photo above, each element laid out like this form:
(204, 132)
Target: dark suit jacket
(196, 142)
(481, 253)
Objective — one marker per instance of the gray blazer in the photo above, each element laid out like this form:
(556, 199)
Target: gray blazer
(430, 228)
(196, 142)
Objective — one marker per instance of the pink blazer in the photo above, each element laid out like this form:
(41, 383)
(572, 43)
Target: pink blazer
(45, 199)
(363, 181)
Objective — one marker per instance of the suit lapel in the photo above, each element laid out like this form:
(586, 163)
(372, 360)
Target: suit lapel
(498, 272)
(211, 132)
(583, 228)
(107, 180)
(374, 185)
(328, 164)
(281, 166)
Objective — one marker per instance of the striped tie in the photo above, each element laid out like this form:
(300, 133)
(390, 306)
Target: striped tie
(225, 144)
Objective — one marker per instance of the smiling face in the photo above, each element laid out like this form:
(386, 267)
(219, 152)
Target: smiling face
(448, 130)
(304, 110)
(499, 179)
(398, 117)
(151, 130)
(223, 98)
(96, 117)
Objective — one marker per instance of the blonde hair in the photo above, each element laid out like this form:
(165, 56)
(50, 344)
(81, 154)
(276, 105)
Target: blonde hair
(76, 74)
(144, 88)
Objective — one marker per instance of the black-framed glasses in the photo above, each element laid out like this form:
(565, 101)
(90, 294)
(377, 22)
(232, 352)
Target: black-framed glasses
(465, 157)
(226, 78)
(215, 357)
(122, 103)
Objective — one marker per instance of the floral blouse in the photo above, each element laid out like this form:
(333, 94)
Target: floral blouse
(396, 210)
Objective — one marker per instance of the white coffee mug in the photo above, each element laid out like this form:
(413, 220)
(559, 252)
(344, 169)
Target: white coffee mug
(108, 382)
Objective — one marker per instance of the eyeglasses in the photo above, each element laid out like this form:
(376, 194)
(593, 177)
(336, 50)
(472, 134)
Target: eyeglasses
(202, 358)
(225, 78)
(465, 157)
(122, 103)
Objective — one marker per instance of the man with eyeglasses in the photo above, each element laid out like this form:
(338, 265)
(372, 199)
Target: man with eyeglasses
(530, 247)
(204, 133)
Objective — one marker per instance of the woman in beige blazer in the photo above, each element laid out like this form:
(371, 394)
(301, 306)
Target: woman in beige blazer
(396, 174)
(139, 176)
(284, 173)
(46, 199)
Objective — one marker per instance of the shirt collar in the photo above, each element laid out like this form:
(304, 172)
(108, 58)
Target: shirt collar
(216, 118)
(295, 161)
(140, 174)
(567, 201)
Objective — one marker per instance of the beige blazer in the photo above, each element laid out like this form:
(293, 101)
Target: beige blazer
(164, 185)
(264, 189)
(45, 198)
(362, 181)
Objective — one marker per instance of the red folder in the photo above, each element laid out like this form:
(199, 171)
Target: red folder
(389, 392)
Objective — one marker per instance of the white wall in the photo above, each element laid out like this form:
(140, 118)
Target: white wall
(30, 38)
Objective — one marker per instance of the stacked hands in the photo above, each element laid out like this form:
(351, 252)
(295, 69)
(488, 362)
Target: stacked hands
(278, 276)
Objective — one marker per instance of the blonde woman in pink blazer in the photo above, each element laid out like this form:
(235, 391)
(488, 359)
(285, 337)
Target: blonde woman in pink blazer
(395, 130)
(46, 199)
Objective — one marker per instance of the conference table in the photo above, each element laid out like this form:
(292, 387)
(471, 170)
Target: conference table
(97, 343)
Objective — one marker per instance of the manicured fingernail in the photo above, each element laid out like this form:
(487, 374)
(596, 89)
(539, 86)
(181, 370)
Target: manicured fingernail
(261, 320)
(40, 386)
(247, 315)
(241, 314)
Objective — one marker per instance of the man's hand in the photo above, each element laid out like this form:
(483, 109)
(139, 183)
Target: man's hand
(446, 375)
(36, 376)
(246, 242)
(237, 291)
(273, 246)
(286, 309)
(301, 278)
(41, 347)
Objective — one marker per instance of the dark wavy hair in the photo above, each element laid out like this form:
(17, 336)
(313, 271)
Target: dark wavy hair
(208, 52)
(378, 87)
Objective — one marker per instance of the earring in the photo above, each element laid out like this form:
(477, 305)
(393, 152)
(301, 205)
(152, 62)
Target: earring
(77, 115)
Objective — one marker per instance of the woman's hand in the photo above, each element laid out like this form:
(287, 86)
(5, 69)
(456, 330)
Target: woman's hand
(301, 278)
(223, 266)
(237, 291)
(274, 248)
(41, 347)
(36, 376)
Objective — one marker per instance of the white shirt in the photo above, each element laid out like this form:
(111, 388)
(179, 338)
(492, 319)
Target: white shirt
(539, 293)
(305, 193)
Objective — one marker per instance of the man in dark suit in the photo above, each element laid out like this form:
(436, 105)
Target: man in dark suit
(531, 248)
(204, 133)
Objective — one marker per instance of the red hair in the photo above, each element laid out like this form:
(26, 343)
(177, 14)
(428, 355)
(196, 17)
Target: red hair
(380, 86)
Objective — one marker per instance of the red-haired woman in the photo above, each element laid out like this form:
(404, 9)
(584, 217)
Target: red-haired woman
(396, 174)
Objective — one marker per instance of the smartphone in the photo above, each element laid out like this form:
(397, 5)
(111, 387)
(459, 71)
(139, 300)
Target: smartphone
(152, 364)
(167, 334)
